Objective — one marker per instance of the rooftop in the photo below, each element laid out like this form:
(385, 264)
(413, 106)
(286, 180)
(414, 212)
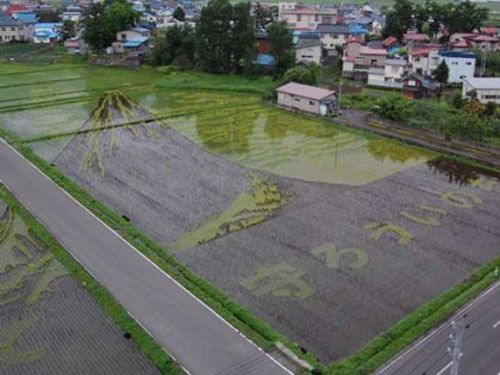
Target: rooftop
(484, 83)
(373, 51)
(305, 91)
(398, 62)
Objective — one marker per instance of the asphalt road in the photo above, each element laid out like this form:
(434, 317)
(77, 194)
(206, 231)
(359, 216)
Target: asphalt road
(201, 341)
(480, 346)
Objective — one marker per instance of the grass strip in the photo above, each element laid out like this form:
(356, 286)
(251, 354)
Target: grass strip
(117, 313)
(239, 317)
(417, 323)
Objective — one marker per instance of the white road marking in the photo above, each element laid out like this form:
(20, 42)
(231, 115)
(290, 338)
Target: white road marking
(444, 368)
(424, 339)
(495, 326)
(143, 256)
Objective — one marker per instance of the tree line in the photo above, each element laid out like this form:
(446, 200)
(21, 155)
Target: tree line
(431, 17)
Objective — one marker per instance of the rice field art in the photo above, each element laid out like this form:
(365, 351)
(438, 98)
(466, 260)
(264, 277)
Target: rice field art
(49, 324)
(246, 210)
(117, 113)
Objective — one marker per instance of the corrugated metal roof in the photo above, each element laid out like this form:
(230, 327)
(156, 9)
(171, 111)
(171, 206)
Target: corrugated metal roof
(305, 91)
(489, 83)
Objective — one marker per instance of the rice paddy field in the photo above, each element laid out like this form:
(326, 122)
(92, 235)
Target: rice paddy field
(329, 235)
(49, 324)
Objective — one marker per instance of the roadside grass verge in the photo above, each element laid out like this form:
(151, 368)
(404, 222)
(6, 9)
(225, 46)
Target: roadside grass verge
(417, 323)
(117, 313)
(239, 317)
(230, 83)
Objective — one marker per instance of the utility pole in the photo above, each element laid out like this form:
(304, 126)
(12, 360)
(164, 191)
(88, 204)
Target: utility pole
(455, 348)
(339, 111)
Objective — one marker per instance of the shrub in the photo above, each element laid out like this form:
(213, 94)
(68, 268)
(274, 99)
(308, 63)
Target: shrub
(394, 107)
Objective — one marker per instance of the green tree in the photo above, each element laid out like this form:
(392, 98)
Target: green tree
(442, 72)
(457, 101)
(308, 75)
(490, 109)
(97, 33)
(104, 20)
(214, 36)
(394, 107)
(68, 29)
(468, 125)
(244, 43)
(282, 48)
(179, 14)
(465, 17)
(399, 19)
(121, 15)
(177, 43)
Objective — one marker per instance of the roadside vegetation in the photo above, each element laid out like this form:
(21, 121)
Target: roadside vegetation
(469, 120)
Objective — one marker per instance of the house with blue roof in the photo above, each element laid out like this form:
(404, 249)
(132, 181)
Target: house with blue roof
(461, 65)
(28, 20)
(132, 42)
(10, 29)
(47, 33)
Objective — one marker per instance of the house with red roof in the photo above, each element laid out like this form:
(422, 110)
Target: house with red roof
(424, 60)
(390, 41)
(16, 8)
(484, 42)
(416, 37)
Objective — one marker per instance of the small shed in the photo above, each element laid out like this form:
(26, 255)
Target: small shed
(306, 98)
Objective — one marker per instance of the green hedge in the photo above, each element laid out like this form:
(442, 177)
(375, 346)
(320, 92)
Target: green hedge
(119, 315)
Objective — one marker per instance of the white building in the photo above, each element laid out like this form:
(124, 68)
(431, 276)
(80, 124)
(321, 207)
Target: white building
(423, 60)
(390, 76)
(461, 65)
(308, 51)
(487, 89)
(307, 17)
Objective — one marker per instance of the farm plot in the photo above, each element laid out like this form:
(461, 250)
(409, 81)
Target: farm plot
(330, 264)
(48, 323)
(329, 235)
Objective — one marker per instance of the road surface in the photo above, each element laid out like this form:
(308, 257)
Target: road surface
(480, 346)
(200, 340)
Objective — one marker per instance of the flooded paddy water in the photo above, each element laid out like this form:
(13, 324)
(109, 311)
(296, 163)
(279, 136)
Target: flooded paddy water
(328, 234)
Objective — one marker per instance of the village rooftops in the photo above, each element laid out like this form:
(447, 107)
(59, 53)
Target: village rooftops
(372, 51)
(416, 37)
(485, 38)
(310, 10)
(487, 83)
(305, 91)
(333, 29)
(456, 54)
(308, 43)
(389, 41)
(396, 62)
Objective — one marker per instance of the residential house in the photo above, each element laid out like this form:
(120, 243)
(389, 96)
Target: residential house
(308, 17)
(391, 75)
(308, 51)
(416, 86)
(306, 98)
(76, 45)
(424, 60)
(10, 29)
(389, 42)
(461, 65)
(263, 43)
(484, 42)
(334, 35)
(487, 89)
(47, 33)
(29, 21)
(373, 56)
(133, 42)
(410, 38)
